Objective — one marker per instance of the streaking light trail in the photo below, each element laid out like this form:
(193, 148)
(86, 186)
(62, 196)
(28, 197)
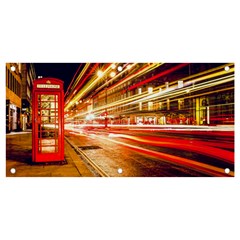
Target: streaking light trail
(201, 167)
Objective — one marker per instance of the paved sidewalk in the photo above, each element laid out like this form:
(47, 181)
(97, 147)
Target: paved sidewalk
(19, 160)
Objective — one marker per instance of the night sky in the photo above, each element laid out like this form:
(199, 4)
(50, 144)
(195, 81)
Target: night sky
(63, 71)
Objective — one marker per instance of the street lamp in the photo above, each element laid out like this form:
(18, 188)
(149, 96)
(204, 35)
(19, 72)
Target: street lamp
(112, 74)
(100, 73)
(90, 116)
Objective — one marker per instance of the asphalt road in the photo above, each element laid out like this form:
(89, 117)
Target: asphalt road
(150, 153)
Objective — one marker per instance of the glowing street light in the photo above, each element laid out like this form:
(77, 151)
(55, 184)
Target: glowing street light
(100, 73)
(112, 74)
(90, 116)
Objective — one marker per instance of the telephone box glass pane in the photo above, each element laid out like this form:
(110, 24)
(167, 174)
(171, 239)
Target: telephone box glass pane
(48, 123)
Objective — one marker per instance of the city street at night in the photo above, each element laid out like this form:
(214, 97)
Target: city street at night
(131, 152)
(120, 119)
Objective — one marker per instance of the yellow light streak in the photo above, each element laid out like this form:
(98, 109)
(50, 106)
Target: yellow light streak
(93, 82)
(78, 78)
(113, 79)
(143, 71)
(164, 94)
(87, 87)
(170, 93)
(208, 71)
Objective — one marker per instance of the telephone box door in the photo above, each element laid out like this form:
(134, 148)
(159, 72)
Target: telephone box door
(48, 129)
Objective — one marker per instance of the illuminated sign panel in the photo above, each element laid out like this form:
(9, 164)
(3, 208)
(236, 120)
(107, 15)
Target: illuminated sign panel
(47, 86)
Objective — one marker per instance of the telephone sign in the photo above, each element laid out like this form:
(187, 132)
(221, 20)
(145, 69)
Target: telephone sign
(47, 86)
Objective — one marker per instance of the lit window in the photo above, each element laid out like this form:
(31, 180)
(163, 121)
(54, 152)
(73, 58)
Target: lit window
(180, 84)
(150, 89)
(180, 104)
(150, 106)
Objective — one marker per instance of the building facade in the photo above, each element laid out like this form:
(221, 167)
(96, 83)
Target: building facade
(19, 77)
(170, 93)
(28, 75)
(13, 96)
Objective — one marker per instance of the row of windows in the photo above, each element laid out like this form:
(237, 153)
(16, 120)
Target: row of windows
(211, 100)
(217, 98)
(12, 83)
(193, 68)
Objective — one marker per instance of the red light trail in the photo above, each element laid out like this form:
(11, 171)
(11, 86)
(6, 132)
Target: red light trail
(158, 75)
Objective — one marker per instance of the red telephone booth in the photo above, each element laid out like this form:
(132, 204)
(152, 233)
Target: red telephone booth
(47, 120)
